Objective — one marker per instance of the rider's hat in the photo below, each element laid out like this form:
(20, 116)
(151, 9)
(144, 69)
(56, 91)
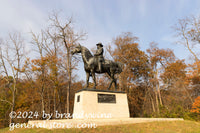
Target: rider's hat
(100, 44)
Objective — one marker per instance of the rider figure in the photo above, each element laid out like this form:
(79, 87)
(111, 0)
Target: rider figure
(99, 55)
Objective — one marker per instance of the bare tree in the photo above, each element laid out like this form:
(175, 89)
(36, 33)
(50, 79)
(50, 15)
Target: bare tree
(188, 31)
(11, 56)
(67, 36)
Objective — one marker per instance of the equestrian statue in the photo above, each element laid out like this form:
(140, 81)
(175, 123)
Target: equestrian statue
(97, 64)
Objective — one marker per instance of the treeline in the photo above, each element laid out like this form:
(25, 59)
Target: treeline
(157, 83)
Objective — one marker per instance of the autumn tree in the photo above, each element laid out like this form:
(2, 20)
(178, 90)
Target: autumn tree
(175, 89)
(135, 73)
(39, 66)
(48, 65)
(188, 33)
(126, 50)
(194, 78)
(158, 59)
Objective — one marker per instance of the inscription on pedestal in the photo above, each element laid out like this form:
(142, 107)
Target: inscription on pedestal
(106, 98)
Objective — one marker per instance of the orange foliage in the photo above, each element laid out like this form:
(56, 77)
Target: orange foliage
(196, 106)
(158, 55)
(127, 52)
(174, 70)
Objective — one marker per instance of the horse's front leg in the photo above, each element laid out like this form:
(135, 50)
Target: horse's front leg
(87, 79)
(94, 79)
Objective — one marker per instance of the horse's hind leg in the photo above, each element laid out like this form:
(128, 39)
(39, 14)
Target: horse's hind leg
(112, 80)
(115, 81)
(110, 85)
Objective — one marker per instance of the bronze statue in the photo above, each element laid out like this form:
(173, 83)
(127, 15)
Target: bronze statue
(91, 64)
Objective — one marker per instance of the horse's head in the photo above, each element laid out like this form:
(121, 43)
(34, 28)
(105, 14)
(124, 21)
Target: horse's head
(77, 49)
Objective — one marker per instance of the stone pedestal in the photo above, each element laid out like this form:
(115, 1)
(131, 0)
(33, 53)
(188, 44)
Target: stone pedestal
(94, 104)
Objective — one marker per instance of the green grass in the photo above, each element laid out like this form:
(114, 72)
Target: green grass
(151, 127)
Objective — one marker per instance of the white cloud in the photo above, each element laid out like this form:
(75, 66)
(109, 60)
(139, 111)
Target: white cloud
(19, 15)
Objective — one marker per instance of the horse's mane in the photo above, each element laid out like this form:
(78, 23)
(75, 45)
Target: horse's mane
(87, 53)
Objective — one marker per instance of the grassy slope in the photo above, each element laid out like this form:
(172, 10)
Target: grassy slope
(152, 127)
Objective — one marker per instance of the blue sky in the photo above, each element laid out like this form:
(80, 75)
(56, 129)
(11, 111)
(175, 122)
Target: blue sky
(150, 20)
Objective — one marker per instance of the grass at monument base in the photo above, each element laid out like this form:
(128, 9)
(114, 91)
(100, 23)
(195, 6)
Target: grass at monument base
(150, 127)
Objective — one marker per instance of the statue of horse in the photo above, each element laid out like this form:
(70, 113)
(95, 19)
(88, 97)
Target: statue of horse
(91, 66)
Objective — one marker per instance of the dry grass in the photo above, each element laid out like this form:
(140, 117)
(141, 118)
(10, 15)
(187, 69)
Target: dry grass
(151, 127)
